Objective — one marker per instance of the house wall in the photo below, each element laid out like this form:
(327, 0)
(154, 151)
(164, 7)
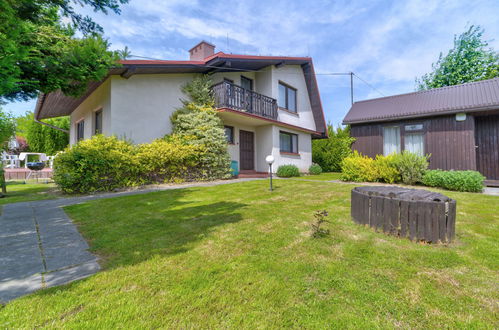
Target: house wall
(450, 143)
(293, 76)
(99, 99)
(304, 158)
(267, 143)
(142, 105)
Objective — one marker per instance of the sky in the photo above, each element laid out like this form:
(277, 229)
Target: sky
(386, 43)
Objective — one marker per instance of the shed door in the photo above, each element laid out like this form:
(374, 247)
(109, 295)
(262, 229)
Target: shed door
(246, 150)
(487, 143)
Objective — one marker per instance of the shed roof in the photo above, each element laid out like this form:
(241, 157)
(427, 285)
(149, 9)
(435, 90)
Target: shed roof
(476, 96)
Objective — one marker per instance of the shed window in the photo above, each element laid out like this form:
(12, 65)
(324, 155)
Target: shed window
(414, 142)
(288, 142)
(287, 97)
(391, 140)
(80, 130)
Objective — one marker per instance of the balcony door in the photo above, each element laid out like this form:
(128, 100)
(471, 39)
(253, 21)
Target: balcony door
(246, 150)
(247, 85)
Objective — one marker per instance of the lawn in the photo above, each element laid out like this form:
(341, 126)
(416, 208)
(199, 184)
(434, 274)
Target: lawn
(17, 191)
(240, 256)
(329, 176)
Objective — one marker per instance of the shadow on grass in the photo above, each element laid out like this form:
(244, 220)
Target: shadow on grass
(155, 224)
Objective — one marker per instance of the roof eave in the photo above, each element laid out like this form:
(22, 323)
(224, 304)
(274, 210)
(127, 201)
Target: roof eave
(421, 115)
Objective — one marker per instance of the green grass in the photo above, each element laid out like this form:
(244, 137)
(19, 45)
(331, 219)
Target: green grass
(17, 191)
(240, 256)
(329, 176)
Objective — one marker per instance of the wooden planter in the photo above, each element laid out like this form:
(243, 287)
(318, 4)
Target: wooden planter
(418, 214)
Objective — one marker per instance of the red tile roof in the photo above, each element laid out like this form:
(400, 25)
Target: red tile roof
(476, 96)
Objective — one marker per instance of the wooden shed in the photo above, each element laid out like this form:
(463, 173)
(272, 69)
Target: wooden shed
(458, 126)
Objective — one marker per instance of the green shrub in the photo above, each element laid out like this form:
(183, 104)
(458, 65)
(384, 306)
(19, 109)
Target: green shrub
(315, 169)
(287, 171)
(358, 168)
(98, 164)
(386, 168)
(330, 152)
(411, 167)
(168, 161)
(471, 181)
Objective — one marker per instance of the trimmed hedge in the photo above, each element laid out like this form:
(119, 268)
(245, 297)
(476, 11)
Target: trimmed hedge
(315, 169)
(471, 181)
(287, 171)
(98, 164)
(107, 163)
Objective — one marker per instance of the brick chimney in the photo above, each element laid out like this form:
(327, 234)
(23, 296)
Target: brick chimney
(201, 51)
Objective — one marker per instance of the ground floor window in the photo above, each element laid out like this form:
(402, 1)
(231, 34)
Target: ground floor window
(288, 142)
(414, 142)
(229, 134)
(80, 129)
(391, 140)
(98, 122)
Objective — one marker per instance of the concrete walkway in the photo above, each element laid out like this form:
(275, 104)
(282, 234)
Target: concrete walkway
(41, 247)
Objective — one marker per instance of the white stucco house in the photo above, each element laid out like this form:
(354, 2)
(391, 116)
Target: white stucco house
(270, 105)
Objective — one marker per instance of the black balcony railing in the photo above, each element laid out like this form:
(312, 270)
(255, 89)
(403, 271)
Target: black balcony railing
(229, 95)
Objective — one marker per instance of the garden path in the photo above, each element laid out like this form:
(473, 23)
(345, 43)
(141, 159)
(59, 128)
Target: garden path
(41, 247)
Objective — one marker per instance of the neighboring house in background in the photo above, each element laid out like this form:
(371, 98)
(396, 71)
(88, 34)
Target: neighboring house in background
(270, 105)
(457, 125)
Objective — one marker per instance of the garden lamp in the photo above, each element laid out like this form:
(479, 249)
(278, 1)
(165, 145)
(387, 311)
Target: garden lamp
(270, 159)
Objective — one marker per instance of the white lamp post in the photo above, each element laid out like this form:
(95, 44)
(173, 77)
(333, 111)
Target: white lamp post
(270, 160)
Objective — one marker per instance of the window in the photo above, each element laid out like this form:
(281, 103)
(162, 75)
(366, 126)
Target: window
(229, 134)
(288, 142)
(287, 97)
(414, 142)
(98, 122)
(391, 140)
(80, 130)
(246, 83)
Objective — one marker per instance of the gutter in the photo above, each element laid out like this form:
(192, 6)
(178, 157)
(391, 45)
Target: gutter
(51, 126)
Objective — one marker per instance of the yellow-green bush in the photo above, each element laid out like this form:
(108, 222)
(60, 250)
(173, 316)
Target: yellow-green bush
(98, 164)
(167, 161)
(358, 168)
(386, 168)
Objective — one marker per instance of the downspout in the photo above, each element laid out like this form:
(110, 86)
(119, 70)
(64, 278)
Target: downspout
(51, 126)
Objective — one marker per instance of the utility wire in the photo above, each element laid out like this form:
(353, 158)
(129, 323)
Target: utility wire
(256, 71)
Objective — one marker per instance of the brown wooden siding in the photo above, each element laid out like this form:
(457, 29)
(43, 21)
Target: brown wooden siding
(487, 141)
(451, 143)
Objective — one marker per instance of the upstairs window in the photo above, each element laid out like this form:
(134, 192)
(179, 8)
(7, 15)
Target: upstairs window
(391, 140)
(80, 130)
(287, 97)
(98, 122)
(288, 142)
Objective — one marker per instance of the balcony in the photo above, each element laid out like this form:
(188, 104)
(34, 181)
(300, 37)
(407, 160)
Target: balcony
(228, 95)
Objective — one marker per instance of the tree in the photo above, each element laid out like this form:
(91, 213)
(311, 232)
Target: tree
(7, 131)
(197, 123)
(45, 139)
(39, 53)
(329, 153)
(469, 60)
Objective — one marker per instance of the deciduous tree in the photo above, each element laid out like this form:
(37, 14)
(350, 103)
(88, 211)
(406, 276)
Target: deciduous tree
(40, 53)
(471, 59)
